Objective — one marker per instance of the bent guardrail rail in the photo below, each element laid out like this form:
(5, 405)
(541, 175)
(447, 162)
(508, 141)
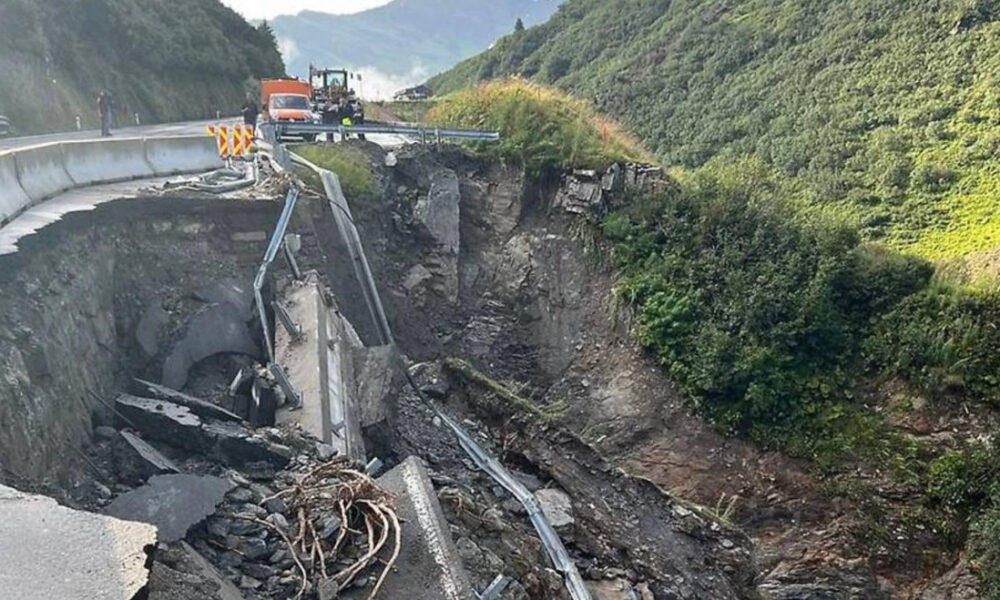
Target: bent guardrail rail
(416, 131)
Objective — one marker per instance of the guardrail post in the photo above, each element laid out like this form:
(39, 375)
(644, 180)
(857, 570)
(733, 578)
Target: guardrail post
(79, 124)
(137, 119)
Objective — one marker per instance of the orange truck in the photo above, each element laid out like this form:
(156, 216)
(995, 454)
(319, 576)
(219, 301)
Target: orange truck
(287, 100)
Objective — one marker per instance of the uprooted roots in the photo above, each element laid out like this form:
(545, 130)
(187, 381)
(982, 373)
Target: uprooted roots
(367, 521)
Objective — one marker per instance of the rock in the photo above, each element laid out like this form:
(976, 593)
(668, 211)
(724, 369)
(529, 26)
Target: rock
(331, 527)
(531, 482)
(278, 556)
(325, 452)
(614, 589)
(51, 551)
(438, 213)
(430, 379)
(513, 506)
(105, 433)
(278, 520)
(259, 571)
(275, 505)
(254, 548)
(329, 590)
(416, 276)
(174, 503)
(249, 583)
(241, 494)
(557, 507)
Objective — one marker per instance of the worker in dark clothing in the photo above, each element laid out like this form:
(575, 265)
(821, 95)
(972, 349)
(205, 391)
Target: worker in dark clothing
(250, 111)
(330, 117)
(104, 113)
(359, 115)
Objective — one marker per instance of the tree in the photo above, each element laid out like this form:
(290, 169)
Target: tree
(519, 26)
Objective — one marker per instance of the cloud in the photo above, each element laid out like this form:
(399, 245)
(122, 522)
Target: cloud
(376, 85)
(289, 49)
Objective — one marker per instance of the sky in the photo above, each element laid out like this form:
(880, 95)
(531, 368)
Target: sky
(268, 9)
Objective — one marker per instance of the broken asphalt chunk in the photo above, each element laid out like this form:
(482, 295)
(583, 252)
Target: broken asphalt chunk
(51, 551)
(197, 405)
(174, 503)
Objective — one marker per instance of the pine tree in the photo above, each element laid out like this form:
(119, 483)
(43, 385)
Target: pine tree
(519, 26)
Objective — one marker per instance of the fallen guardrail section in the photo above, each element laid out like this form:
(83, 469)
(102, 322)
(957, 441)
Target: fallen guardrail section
(555, 549)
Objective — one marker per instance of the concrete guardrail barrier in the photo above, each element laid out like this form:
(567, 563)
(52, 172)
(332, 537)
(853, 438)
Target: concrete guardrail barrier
(30, 175)
(12, 196)
(42, 171)
(172, 155)
(108, 161)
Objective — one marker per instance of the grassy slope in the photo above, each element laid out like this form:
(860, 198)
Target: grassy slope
(165, 59)
(885, 110)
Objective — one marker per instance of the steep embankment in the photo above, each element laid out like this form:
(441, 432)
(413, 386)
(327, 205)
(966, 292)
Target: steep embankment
(886, 110)
(166, 60)
(784, 326)
(404, 41)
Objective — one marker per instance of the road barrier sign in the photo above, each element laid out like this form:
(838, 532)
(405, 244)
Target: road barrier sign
(234, 141)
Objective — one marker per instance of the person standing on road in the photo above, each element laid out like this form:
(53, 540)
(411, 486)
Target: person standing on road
(250, 111)
(330, 113)
(104, 113)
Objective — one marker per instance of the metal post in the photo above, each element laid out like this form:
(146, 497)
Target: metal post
(137, 119)
(79, 125)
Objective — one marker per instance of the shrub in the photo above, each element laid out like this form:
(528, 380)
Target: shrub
(540, 128)
(758, 307)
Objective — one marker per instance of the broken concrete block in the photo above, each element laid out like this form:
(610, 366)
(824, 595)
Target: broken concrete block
(431, 563)
(197, 405)
(178, 426)
(379, 379)
(235, 445)
(162, 420)
(218, 329)
(136, 461)
(557, 507)
(174, 503)
(50, 551)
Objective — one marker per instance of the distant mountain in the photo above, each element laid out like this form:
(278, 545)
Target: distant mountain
(403, 42)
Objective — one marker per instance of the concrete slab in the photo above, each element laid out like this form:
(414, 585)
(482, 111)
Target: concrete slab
(428, 561)
(319, 367)
(50, 551)
(174, 503)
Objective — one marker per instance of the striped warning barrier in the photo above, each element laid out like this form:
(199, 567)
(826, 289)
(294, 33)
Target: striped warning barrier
(234, 141)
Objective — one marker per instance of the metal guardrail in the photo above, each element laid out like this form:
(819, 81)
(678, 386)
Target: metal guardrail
(422, 133)
(550, 539)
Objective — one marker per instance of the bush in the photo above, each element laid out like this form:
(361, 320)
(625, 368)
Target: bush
(944, 340)
(758, 307)
(984, 549)
(540, 128)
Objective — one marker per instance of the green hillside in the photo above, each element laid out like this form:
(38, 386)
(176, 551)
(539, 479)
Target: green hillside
(164, 59)
(885, 110)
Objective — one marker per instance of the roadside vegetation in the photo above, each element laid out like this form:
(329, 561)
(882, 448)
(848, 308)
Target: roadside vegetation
(350, 164)
(885, 112)
(408, 111)
(541, 128)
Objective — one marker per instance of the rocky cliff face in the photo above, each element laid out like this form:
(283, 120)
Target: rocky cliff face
(535, 308)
